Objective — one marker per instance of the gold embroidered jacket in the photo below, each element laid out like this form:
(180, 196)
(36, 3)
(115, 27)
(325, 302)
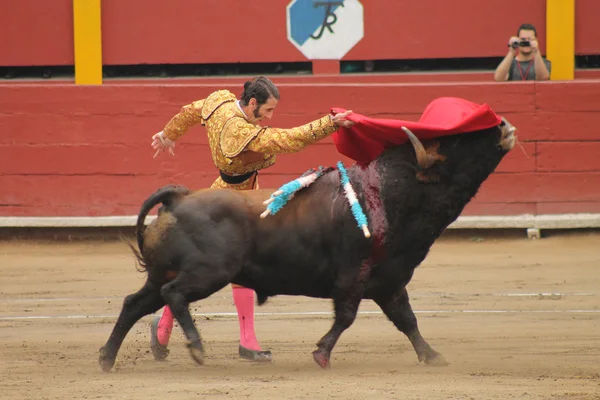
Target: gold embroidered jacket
(238, 146)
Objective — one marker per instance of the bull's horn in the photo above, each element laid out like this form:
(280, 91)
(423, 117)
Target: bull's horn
(424, 160)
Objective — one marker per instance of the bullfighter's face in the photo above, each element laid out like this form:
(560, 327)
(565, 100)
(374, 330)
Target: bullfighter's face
(260, 112)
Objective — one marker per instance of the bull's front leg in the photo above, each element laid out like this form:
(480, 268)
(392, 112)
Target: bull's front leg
(346, 299)
(398, 309)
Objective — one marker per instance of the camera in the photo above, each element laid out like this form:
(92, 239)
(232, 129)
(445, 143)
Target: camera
(521, 43)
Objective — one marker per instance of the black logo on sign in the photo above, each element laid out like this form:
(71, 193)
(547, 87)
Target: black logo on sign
(327, 22)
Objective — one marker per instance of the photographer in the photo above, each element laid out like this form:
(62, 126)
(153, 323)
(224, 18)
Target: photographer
(524, 60)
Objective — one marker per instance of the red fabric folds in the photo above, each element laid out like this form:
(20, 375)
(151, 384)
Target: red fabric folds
(369, 137)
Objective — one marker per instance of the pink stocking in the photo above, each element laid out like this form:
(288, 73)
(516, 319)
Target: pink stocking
(244, 302)
(165, 326)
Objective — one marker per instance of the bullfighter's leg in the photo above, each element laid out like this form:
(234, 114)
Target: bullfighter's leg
(243, 298)
(160, 332)
(398, 309)
(346, 299)
(249, 347)
(146, 301)
(195, 282)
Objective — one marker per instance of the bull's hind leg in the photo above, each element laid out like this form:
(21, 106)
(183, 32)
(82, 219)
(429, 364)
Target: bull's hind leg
(397, 308)
(146, 301)
(346, 299)
(195, 281)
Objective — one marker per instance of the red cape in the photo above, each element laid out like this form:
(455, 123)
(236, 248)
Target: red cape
(369, 137)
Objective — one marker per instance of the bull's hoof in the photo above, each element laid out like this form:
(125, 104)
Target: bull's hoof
(106, 362)
(322, 359)
(255, 355)
(197, 351)
(435, 359)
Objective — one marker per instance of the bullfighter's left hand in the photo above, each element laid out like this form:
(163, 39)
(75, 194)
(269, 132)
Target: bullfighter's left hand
(160, 142)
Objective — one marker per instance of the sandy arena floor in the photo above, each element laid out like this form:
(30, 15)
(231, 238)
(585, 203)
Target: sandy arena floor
(517, 319)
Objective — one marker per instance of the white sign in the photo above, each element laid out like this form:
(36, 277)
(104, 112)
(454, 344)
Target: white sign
(325, 29)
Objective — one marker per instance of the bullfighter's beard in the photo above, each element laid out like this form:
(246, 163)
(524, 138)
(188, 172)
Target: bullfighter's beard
(369, 137)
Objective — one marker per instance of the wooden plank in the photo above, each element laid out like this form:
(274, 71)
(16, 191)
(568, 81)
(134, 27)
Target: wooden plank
(509, 194)
(540, 187)
(568, 156)
(82, 100)
(508, 188)
(566, 187)
(99, 129)
(103, 159)
(107, 159)
(578, 95)
(562, 126)
(91, 129)
(522, 158)
(475, 208)
(406, 98)
(569, 207)
(98, 195)
(111, 159)
(589, 73)
(366, 98)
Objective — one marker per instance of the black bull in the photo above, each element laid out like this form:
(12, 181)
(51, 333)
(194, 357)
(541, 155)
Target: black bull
(202, 241)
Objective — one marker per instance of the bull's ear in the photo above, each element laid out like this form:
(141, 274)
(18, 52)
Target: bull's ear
(430, 175)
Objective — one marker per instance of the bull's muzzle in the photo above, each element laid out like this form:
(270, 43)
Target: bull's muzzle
(507, 136)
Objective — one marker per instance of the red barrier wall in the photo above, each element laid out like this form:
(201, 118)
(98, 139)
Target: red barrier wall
(75, 150)
(36, 32)
(587, 29)
(39, 32)
(402, 29)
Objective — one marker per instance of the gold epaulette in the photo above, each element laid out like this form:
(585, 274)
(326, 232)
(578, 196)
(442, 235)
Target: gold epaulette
(236, 135)
(216, 100)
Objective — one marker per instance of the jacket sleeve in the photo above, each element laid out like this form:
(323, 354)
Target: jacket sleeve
(190, 115)
(280, 141)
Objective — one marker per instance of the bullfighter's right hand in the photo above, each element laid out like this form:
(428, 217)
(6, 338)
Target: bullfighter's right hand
(160, 142)
(339, 119)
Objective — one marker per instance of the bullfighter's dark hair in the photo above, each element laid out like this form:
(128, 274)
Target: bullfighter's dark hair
(527, 27)
(261, 88)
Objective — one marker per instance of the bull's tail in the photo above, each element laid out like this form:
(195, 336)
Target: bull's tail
(165, 195)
